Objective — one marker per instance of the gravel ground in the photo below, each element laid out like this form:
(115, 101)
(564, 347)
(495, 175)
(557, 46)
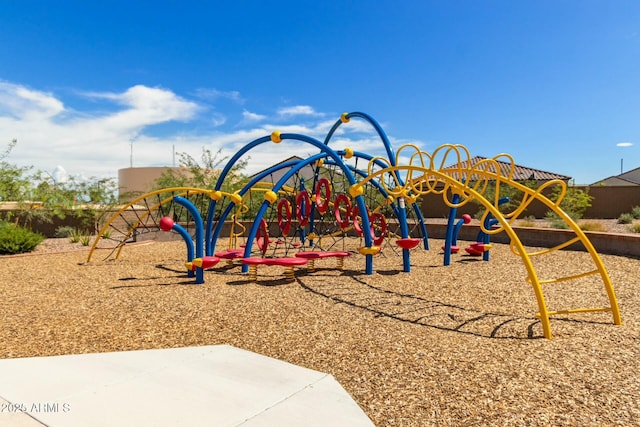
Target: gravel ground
(442, 346)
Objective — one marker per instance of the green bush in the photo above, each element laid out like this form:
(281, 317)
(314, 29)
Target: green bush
(575, 202)
(559, 224)
(635, 212)
(75, 236)
(85, 240)
(625, 218)
(555, 221)
(17, 240)
(65, 231)
(635, 228)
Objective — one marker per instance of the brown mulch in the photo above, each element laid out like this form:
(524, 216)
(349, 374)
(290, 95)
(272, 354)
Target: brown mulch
(446, 346)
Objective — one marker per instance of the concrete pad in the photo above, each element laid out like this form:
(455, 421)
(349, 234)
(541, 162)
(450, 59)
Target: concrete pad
(212, 385)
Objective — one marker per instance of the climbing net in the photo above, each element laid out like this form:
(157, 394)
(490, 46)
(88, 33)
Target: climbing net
(140, 218)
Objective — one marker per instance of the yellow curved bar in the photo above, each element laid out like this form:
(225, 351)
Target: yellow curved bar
(372, 250)
(484, 172)
(174, 191)
(235, 198)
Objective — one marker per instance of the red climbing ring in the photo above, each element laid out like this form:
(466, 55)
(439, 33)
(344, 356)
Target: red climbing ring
(323, 183)
(284, 219)
(377, 240)
(303, 199)
(340, 199)
(355, 213)
(262, 237)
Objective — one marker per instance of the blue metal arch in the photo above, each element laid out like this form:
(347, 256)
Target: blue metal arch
(325, 152)
(374, 124)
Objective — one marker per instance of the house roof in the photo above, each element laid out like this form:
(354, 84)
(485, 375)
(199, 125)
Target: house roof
(307, 172)
(520, 173)
(276, 164)
(631, 177)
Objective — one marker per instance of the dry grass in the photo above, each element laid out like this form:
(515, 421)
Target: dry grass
(455, 345)
(586, 225)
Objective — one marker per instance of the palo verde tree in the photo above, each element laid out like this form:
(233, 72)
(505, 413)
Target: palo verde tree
(14, 184)
(203, 173)
(39, 197)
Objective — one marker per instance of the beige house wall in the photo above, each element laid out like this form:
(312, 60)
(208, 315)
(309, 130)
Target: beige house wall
(137, 181)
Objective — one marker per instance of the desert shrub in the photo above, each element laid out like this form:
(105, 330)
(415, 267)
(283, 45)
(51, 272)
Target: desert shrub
(555, 221)
(575, 203)
(17, 240)
(635, 212)
(64, 231)
(75, 236)
(527, 221)
(85, 240)
(625, 218)
(592, 226)
(559, 224)
(635, 228)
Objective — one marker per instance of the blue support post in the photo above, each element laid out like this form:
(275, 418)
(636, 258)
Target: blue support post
(404, 233)
(199, 245)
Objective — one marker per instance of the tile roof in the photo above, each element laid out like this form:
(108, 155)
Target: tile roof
(520, 173)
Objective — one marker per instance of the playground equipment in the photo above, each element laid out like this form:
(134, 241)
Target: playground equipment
(300, 218)
(288, 263)
(452, 247)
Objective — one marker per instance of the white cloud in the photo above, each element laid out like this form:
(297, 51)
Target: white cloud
(20, 102)
(59, 174)
(249, 117)
(624, 144)
(147, 106)
(92, 144)
(55, 136)
(298, 110)
(218, 119)
(215, 94)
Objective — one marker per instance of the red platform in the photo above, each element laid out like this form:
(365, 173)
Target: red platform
(314, 255)
(454, 249)
(408, 243)
(230, 254)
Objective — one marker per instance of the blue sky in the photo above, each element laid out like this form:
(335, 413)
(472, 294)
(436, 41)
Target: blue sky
(555, 83)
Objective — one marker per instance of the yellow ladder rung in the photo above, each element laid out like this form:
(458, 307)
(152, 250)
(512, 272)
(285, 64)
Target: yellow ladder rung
(564, 279)
(555, 248)
(577, 310)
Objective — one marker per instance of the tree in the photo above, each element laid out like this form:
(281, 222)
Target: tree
(41, 198)
(203, 174)
(575, 201)
(14, 185)
(86, 200)
(506, 191)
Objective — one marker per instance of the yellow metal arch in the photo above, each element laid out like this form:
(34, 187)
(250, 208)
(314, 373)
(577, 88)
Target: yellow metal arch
(469, 183)
(174, 191)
